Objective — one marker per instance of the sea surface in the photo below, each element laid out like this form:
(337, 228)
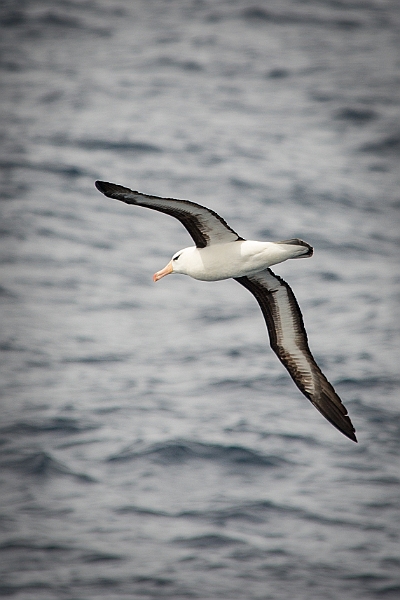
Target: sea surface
(151, 444)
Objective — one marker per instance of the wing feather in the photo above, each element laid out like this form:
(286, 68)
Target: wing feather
(204, 225)
(288, 340)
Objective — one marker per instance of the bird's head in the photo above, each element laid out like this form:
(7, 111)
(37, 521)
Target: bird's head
(177, 264)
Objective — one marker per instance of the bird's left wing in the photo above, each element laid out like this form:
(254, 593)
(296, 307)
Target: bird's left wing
(204, 225)
(288, 340)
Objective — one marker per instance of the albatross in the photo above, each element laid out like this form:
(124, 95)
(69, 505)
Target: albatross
(220, 253)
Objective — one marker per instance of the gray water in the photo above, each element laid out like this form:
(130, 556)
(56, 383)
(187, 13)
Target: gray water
(152, 446)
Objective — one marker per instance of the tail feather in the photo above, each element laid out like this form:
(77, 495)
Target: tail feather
(307, 249)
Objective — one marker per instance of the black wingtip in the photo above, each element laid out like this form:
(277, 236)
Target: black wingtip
(117, 192)
(352, 437)
(334, 411)
(345, 427)
(106, 188)
(100, 185)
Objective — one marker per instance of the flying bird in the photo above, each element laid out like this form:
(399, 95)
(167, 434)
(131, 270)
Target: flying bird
(220, 253)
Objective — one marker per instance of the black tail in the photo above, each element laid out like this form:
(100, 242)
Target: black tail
(308, 250)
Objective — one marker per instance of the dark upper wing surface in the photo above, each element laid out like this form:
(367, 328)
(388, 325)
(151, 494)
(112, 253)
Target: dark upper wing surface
(288, 339)
(204, 225)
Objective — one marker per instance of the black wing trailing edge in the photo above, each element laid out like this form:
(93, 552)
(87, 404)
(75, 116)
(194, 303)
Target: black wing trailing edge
(204, 225)
(288, 340)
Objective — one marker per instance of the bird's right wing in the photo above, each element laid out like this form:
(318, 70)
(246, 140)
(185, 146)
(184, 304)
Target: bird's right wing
(204, 225)
(288, 340)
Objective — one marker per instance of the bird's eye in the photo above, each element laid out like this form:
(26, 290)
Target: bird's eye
(176, 257)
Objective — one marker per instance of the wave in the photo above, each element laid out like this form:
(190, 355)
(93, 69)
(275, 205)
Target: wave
(259, 15)
(96, 557)
(59, 424)
(41, 463)
(5, 293)
(34, 546)
(92, 359)
(13, 590)
(257, 512)
(254, 512)
(389, 145)
(24, 544)
(376, 414)
(254, 383)
(211, 540)
(185, 65)
(181, 451)
(54, 168)
(388, 591)
(369, 382)
(52, 22)
(356, 115)
(104, 144)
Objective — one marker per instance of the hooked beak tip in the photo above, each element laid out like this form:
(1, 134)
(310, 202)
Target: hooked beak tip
(165, 271)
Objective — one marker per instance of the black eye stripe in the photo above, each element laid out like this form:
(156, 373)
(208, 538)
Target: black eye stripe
(176, 257)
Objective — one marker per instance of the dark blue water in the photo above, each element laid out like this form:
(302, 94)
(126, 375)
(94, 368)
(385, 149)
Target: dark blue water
(152, 446)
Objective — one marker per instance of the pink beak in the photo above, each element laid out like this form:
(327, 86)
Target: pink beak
(165, 271)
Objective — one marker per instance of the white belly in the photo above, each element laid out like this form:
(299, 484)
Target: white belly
(235, 259)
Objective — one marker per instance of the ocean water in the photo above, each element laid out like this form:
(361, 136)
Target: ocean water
(152, 446)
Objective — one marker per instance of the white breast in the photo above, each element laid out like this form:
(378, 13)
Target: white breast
(235, 259)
